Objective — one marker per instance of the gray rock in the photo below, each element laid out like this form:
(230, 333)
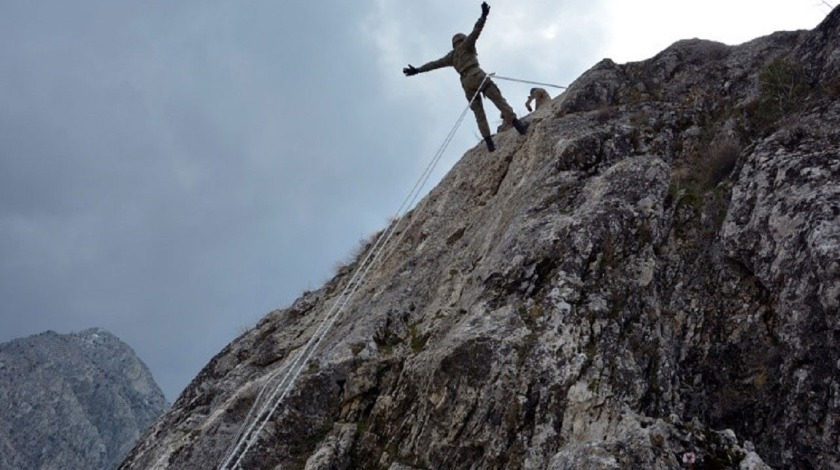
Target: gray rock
(77, 401)
(648, 279)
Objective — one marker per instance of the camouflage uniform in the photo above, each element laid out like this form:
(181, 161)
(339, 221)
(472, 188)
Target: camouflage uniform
(539, 95)
(505, 125)
(464, 58)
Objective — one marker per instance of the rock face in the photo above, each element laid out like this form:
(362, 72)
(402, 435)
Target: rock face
(649, 279)
(76, 401)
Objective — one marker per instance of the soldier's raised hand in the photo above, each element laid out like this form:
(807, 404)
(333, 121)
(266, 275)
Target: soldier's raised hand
(410, 70)
(485, 9)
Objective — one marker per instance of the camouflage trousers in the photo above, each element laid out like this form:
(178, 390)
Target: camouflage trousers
(470, 83)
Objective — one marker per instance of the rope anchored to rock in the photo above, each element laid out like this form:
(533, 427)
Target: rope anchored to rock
(528, 81)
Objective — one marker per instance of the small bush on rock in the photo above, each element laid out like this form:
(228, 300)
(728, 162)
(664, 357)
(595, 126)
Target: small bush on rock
(720, 161)
(783, 86)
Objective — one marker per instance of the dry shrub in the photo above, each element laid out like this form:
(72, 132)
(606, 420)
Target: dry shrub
(604, 114)
(831, 88)
(720, 161)
(701, 174)
(783, 87)
(783, 84)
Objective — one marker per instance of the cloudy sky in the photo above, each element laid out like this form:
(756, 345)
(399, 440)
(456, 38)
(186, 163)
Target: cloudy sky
(172, 171)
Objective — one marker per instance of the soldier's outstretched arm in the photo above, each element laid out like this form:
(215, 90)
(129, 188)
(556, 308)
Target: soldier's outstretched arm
(479, 25)
(444, 61)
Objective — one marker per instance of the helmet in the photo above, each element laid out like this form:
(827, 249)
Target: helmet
(457, 39)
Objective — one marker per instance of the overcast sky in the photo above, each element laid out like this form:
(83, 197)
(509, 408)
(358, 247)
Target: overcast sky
(172, 171)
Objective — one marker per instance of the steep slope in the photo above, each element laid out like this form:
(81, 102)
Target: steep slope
(649, 278)
(73, 401)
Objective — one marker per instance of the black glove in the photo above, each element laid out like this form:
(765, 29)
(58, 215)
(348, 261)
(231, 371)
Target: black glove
(485, 9)
(410, 70)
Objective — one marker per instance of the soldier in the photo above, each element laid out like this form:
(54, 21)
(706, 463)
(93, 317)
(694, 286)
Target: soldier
(464, 58)
(540, 96)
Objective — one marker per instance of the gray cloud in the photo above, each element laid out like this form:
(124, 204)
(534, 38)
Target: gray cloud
(171, 171)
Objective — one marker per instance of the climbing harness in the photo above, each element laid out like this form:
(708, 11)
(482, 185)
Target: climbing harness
(263, 409)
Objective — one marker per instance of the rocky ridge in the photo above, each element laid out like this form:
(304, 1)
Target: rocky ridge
(649, 279)
(75, 401)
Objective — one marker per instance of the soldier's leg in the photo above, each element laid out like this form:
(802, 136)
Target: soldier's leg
(480, 118)
(492, 92)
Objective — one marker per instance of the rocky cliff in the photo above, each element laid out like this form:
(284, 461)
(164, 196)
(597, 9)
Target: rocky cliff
(648, 279)
(76, 401)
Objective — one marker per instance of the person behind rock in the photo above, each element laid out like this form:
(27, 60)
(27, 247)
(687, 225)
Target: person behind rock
(539, 95)
(464, 58)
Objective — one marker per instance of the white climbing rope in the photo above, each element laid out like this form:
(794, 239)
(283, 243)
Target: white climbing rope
(261, 413)
(528, 81)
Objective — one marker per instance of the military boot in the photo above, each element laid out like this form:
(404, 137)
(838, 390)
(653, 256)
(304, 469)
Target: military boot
(490, 145)
(520, 126)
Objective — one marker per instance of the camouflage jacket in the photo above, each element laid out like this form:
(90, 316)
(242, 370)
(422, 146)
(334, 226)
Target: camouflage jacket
(463, 56)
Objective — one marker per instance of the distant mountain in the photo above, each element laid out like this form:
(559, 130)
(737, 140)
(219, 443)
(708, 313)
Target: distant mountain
(75, 401)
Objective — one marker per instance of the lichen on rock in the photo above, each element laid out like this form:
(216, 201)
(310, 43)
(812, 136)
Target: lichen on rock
(648, 279)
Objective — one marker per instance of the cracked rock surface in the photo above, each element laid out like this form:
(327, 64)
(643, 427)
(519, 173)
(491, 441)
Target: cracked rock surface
(648, 279)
